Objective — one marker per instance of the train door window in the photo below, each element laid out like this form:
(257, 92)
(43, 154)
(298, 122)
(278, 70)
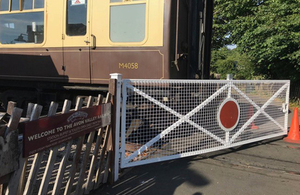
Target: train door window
(128, 21)
(76, 17)
(19, 27)
(4, 6)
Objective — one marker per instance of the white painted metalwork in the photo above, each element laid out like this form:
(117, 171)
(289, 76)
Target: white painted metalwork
(219, 114)
(118, 78)
(169, 119)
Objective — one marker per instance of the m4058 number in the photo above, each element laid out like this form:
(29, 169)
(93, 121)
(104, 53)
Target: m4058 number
(133, 65)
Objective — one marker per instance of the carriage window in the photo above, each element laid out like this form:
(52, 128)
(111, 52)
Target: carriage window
(15, 5)
(76, 17)
(27, 4)
(4, 5)
(20, 28)
(128, 22)
(39, 4)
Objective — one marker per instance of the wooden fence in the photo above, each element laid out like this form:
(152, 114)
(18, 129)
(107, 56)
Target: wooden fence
(74, 167)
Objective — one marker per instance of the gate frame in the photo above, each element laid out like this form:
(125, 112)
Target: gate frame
(118, 78)
(228, 142)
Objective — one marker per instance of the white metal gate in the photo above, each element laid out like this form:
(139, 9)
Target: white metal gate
(169, 119)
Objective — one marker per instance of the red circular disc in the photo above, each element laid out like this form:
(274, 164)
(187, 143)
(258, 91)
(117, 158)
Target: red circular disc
(229, 114)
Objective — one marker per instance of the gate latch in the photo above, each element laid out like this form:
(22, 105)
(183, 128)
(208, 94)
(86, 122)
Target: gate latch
(284, 108)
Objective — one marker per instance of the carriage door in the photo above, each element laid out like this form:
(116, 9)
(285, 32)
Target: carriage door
(76, 41)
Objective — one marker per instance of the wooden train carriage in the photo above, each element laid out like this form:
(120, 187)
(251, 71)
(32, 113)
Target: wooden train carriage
(78, 43)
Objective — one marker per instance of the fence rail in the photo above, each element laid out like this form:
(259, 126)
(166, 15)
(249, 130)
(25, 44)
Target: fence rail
(79, 165)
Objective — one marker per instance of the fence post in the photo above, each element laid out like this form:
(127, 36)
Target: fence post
(17, 181)
(9, 147)
(116, 121)
(287, 101)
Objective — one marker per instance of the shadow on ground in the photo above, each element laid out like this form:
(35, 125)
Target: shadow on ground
(161, 178)
(184, 175)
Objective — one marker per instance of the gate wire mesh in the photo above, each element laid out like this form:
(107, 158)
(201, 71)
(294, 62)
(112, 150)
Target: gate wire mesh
(168, 119)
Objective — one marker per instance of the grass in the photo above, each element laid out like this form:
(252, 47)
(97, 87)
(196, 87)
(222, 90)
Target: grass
(294, 103)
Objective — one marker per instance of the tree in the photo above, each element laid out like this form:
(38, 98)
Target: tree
(226, 61)
(268, 31)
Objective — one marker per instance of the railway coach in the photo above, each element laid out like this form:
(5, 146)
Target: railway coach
(53, 48)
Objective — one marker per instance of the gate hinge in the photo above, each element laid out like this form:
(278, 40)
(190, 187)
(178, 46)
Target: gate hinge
(119, 155)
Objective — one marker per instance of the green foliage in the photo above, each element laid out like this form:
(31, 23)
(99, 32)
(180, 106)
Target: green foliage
(268, 31)
(225, 61)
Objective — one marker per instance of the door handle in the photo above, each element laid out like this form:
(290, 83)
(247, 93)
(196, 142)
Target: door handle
(93, 41)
